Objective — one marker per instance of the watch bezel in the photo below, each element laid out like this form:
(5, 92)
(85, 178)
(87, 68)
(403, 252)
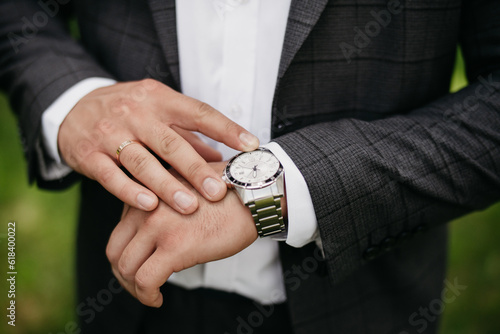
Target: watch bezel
(253, 185)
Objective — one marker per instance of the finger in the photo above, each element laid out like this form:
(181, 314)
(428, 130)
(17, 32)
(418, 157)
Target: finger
(104, 170)
(150, 172)
(171, 147)
(121, 236)
(207, 152)
(128, 286)
(191, 114)
(138, 250)
(150, 277)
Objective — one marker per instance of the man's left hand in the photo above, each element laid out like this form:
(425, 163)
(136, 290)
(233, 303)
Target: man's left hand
(145, 248)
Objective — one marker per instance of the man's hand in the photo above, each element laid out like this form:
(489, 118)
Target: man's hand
(161, 119)
(145, 248)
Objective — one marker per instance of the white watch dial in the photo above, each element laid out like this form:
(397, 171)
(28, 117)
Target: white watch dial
(256, 166)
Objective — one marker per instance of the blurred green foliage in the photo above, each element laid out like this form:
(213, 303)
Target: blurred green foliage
(45, 241)
(46, 223)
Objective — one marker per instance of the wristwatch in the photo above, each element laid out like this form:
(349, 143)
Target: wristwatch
(258, 179)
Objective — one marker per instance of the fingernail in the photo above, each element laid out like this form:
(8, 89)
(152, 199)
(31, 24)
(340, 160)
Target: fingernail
(183, 200)
(145, 201)
(249, 140)
(211, 186)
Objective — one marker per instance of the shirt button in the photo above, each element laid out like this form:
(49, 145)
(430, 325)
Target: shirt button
(235, 111)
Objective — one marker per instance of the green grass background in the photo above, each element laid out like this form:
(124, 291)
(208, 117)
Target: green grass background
(46, 223)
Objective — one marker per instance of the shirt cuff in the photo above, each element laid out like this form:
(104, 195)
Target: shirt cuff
(55, 114)
(302, 223)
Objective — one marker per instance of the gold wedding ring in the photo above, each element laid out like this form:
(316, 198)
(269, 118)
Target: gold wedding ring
(122, 146)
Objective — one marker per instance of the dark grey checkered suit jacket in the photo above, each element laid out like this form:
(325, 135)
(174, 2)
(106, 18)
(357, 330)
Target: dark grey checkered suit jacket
(361, 106)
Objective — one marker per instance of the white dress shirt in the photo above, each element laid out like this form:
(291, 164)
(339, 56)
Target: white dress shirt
(229, 52)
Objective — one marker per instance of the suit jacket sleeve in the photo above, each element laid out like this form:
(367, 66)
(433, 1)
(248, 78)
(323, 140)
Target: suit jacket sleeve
(38, 61)
(376, 183)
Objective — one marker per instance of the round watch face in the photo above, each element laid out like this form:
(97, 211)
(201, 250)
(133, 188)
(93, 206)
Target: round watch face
(254, 168)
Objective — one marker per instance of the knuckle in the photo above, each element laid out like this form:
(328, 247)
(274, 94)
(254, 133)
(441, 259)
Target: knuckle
(106, 125)
(141, 284)
(195, 168)
(139, 163)
(104, 174)
(123, 105)
(71, 159)
(139, 93)
(231, 127)
(169, 143)
(166, 186)
(123, 270)
(155, 86)
(149, 83)
(203, 111)
(84, 150)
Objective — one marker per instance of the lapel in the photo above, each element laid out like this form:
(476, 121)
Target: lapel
(165, 22)
(301, 20)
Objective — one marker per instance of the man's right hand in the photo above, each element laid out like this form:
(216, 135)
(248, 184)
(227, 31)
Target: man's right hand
(161, 119)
